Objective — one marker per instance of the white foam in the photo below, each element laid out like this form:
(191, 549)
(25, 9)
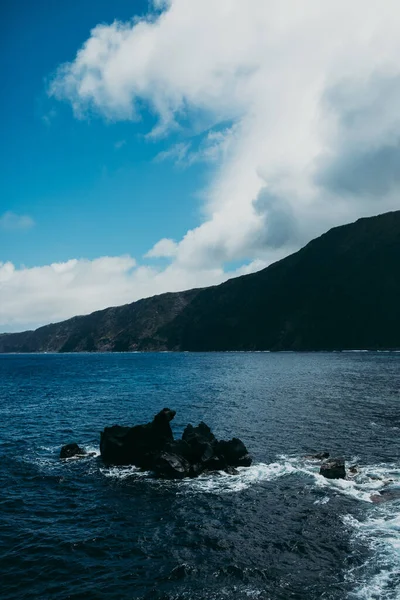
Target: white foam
(369, 480)
(220, 482)
(93, 451)
(323, 500)
(217, 482)
(123, 472)
(375, 579)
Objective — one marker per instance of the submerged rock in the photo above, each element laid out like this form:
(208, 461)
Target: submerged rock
(152, 447)
(318, 456)
(333, 468)
(385, 496)
(70, 450)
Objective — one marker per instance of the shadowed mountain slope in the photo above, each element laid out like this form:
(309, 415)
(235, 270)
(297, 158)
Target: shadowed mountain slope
(341, 291)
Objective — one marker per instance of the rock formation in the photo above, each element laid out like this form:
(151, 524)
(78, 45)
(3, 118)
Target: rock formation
(334, 468)
(152, 447)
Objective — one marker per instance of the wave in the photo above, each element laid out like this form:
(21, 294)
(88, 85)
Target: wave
(367, 485)
(376, 489)
(379, 577)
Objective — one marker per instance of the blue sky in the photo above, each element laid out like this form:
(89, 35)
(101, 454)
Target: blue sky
(92, 188)
(157, 146)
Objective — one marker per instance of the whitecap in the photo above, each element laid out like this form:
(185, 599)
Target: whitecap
(323, 500)
(220, 482)
(376, 578)
(123, 472)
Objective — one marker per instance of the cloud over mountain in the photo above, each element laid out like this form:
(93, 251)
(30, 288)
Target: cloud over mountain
(296, 105)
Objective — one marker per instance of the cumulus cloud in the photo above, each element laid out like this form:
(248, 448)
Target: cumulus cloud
(210, 149)
(311, 90)
(165, 248)
(294, 105)
(10, 220)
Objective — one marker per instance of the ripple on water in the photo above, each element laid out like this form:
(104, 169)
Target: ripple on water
(278, 530)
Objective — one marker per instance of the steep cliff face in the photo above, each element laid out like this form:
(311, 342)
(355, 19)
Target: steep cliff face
(341, 291)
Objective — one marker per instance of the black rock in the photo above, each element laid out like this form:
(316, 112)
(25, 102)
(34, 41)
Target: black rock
(231, 470)
(202, 431)
(172, 466)
(179, 447)
(70, 450)
(181, 571)
(200, 442)
(216, 463)
(138, 445)
(234, 452)
(333, 468)
(152, 447)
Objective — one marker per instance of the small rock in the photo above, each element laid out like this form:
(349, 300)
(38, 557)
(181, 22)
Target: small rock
(333, 468)
(231, 470)
(318, 456)
(70, 450)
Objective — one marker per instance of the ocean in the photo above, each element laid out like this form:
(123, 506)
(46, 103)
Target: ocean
(78, 529)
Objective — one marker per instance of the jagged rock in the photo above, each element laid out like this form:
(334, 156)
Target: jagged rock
(138, 445)
(234, 452)
(201, 431)
(216, 463)
(333, 468)
(153, 447)
(171, 466)
(70, 450)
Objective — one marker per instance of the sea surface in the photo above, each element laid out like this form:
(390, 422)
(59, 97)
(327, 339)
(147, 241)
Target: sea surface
(77, 529)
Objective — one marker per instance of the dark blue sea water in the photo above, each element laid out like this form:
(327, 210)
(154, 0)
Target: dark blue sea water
(278, 530)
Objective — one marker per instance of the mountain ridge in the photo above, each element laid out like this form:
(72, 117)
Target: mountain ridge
(340, 291)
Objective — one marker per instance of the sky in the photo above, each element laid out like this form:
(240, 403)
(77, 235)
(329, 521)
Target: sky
(158, 146)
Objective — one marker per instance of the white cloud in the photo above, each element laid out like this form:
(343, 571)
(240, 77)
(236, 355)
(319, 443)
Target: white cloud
(178, 153)
(211, 149)
(10, 220)
(165, 248)
(36, 296)
(298, 81)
